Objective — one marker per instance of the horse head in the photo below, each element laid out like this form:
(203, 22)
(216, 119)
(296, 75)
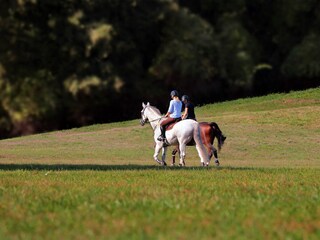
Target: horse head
(144, 118)
(218, 134)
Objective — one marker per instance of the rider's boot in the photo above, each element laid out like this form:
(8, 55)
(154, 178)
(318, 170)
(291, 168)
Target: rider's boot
(162, 136)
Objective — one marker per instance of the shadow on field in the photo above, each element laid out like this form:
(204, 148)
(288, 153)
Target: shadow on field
(96, 167)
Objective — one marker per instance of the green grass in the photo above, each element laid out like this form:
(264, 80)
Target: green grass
(100, 182)
(140, 203)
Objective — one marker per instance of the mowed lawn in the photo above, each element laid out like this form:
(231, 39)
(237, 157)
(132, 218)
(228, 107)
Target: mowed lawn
(100, 181)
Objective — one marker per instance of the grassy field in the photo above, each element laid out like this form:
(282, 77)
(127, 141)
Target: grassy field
(100, 182)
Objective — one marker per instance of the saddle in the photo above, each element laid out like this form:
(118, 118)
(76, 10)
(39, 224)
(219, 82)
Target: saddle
(167, 128)
(170, 125)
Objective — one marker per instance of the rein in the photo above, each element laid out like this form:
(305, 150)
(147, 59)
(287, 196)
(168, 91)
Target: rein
(147, 121)
(155, 119)
(142, 121)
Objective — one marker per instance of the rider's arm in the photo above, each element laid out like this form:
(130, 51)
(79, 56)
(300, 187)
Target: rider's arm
(185, 114)
(170, 110)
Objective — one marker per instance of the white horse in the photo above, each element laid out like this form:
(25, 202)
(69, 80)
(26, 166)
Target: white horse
(181, 134)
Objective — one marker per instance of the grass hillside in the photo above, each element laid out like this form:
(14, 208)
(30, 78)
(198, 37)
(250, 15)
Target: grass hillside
(271, 131)
(100, 182)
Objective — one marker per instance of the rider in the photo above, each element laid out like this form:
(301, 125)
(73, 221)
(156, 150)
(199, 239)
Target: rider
(188, 108)
(189, 111)
(173, 114)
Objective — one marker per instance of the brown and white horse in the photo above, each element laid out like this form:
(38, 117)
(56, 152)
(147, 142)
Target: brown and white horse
(209, 131)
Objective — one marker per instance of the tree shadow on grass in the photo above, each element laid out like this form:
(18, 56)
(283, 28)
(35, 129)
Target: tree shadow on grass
(97, 167)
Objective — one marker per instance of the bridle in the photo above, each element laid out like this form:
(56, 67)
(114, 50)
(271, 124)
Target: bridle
(146, 120)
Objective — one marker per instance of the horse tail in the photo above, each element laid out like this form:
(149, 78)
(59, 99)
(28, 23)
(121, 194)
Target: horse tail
(218, 134)
(199, 144)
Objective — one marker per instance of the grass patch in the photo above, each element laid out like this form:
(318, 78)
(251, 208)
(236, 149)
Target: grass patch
(139, 202)
(101, 182)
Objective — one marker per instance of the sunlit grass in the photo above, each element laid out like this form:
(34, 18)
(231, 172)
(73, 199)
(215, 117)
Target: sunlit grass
(156, 203)
(101, 182)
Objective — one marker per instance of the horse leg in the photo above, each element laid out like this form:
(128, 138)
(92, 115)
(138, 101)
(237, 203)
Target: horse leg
(213, 152)
(216, 160)
(156, 153)
(164, 152)
(210, 149)
(182, 154)
(174, 152)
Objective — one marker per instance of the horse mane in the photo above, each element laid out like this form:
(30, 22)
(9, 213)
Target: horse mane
(155, 109)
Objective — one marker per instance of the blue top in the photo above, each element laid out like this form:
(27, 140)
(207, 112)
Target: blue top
(175, 108)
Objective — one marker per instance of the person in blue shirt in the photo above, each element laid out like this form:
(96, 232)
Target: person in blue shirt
(173, 114)
(188, 108)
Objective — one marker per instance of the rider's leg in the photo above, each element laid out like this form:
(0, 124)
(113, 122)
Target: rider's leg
(163, 131)
(163, 125)
(162, 135)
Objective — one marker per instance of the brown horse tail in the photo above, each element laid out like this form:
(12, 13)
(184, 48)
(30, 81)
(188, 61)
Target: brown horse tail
(218, 134)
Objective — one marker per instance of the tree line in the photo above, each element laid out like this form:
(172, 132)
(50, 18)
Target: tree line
(69, 63)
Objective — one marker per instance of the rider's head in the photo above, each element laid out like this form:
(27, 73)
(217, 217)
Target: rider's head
(174, 93)
(185, 98)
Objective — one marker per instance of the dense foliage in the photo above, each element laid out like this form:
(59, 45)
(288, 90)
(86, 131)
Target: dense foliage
(67, 63)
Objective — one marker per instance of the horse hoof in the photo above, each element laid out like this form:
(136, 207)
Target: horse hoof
(164, 164)
(217, 163)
